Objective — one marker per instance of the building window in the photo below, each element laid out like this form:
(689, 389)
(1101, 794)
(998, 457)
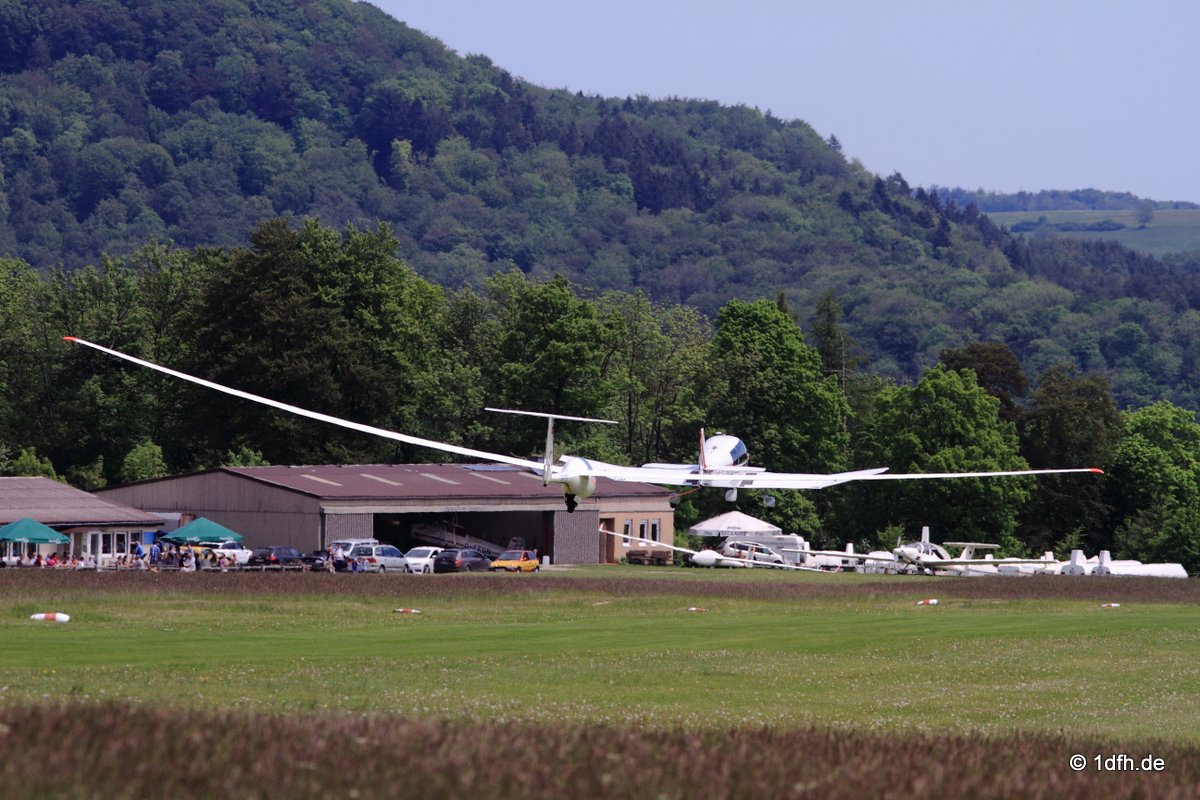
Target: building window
(654, 528)
(628, 531)
(642, 530)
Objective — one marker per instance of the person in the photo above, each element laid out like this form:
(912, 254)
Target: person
(88, 563)
(189, 562)
(155, 555)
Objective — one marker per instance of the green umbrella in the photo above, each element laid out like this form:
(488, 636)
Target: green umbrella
(201, 530)
(30, 531)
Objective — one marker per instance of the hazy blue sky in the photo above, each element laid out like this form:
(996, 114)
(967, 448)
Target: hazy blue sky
(1021, 94)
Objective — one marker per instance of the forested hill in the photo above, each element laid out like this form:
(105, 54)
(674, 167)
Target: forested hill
(127, 123)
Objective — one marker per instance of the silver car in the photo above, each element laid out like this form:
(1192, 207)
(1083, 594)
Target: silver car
(420, 559)
(380, 558)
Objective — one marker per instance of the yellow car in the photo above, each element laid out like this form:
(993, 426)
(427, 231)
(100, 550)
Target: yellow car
(516, 561)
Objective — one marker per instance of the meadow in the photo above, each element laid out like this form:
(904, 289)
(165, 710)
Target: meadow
(597, 681)
(1170, 231)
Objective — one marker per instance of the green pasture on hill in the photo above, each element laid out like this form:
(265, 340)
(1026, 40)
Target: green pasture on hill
(857, 660)
(1170, 230)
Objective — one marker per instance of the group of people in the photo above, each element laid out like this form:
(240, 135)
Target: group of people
(53, 561)
(154, 558)
(338, 560)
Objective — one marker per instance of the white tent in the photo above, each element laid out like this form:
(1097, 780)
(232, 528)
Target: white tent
(734, 523)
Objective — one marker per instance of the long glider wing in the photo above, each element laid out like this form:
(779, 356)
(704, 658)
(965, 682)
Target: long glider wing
(535, 466)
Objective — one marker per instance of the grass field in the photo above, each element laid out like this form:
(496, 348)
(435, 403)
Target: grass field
(615, 653)
(1170, 231)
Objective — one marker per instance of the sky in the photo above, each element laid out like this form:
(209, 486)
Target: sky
(1002, 96)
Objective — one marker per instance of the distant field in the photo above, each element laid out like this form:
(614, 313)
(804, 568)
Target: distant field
(616, 649)
(1171, 231)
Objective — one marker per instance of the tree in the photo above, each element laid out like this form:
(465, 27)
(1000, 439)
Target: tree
(1156, 485)
(946, 423)
(766, 385)
(1145, 213)
(143, 462)
(29, 464)
(553, 357)
(244, 457)
(836, 348)
(996, 370)
(656, 364)
(1072, 422)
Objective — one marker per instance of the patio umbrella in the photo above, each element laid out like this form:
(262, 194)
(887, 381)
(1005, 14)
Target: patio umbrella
(201, 530)
(30, 531)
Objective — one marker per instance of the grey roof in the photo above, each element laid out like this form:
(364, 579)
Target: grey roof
(440, 481)
(62, 506)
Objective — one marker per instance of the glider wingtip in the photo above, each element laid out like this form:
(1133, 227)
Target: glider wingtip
(70, 339)
(1096, 470)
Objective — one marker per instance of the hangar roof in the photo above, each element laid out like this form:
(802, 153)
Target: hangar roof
(62, 506)
(441, 481)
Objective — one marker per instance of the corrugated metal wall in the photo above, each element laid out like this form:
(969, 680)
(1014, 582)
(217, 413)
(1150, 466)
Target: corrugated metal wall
(264, 515)
(349, 526)
(575, 537)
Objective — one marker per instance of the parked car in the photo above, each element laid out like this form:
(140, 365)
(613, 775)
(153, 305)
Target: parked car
(461, 561)
(516, 561)
(315, 560)
(420, 559)
(753, 551)
(379, 558)
(275, 557)
(230, 549)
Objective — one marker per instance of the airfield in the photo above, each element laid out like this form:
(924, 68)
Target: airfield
(613, 681)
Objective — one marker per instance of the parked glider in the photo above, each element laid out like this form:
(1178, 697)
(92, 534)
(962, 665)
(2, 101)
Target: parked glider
(723, 463)
(928, 557)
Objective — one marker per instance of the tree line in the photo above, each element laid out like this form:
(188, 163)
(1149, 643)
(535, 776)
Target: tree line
(333, 321)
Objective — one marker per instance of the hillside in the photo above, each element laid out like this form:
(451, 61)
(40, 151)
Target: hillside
(124, 124)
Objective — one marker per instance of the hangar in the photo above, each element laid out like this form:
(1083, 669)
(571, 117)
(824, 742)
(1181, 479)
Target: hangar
(405, 504)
